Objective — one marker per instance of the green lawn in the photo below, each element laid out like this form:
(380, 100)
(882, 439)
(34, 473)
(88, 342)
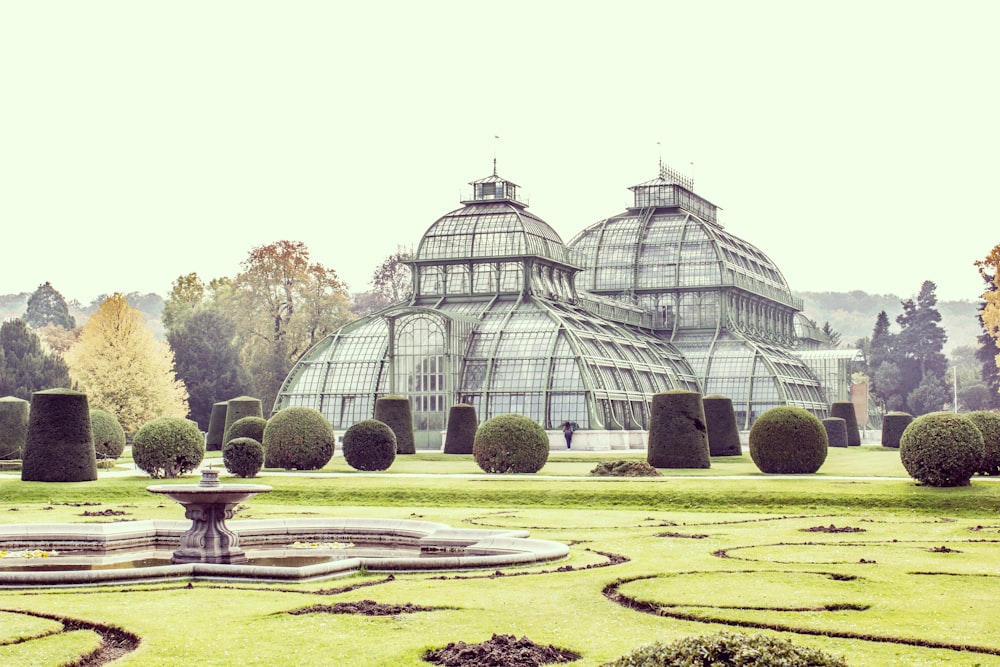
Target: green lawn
(912, 583)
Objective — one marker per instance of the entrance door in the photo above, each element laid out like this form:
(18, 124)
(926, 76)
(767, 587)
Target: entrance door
(420, 375)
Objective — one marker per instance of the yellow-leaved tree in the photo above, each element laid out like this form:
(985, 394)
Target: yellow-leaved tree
(989, 269)
(123, 368)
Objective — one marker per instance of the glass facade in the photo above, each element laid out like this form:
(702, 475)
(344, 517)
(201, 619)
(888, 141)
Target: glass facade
(508, 318)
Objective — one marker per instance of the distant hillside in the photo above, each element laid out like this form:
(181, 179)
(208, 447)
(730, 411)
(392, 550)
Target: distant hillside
(853, 315)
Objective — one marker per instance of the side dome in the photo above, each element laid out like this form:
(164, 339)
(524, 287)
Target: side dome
(492, 224)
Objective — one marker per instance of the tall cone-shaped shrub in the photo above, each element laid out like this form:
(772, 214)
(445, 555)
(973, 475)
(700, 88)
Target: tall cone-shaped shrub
(836, 431)
(238, 408)
(57, 446)
(893, 425)
(216, 426)
(845, 410)
(678, 437)
(723, 432)
(462, 425)
(13, 426)
(394, 411)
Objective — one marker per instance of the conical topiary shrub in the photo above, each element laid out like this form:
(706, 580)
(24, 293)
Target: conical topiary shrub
(107, 434)
(394, 411)
(57, 446)
(13, 426)
(723, 431)
(893, 425)
(678, 437)
(216, 427)
(836, 431)
(462, 425)
(238, 408)
(845, 410)
(788, 440)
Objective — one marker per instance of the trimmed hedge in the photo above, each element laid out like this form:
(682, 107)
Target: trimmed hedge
(298, 438)
(723, 431)
(394, 411)
(893, 425)
(727, 650)
(13, 426)
(238, 408)
(941, 449)
(369, 445)
(788, 440)
(678, 437)
(168, 447)
(462, 425)
(107, 433)
(988, 424)
(247, 427)
(57, 445)
(836, 431)
(216, 427)
(845, 410)
(243, 457)
(511, 444)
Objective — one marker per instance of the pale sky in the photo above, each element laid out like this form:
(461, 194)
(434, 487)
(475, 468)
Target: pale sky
(855, 143)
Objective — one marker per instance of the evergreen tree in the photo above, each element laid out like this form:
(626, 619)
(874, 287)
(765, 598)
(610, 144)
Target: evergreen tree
(47, 306)
(186, 296)
(124, 369)
(206, 359)
(24, 366)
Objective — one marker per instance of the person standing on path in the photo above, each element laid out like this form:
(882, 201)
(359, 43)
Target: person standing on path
(568, 433)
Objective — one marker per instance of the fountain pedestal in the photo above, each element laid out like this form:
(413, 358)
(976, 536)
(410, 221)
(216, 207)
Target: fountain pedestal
(208, 504)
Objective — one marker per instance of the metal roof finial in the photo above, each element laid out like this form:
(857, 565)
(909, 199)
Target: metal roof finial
(496, 138)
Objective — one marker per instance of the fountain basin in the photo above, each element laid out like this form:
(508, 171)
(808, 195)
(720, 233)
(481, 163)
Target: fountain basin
(380, 545)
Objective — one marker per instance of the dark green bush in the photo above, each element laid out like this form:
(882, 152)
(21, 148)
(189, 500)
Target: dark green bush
(462, 426)
(988, 424)
(788, 440)
(216, 427)
(625, 469)
(893, 425)
(394, 411)
(678, 437)
(248, 427)
(57, 445)
(168, 447)
(13, 426)
(727, 650)
(845, 410)
(298, 438)
(369, 445)
(238, 408)
(107, 433)
(941, 449)
(836, 431)
(243, 457)
(723, 431)
(511, 443)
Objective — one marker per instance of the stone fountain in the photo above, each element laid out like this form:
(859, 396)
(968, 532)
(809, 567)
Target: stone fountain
(208, 504)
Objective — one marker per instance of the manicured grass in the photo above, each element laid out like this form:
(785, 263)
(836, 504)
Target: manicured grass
(911, 583)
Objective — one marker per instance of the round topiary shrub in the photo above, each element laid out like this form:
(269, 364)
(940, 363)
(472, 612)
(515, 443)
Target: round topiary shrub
(369, 445)
(57, 445)
(836, 431)
(723, 431)
(238, 408)
(298, 438)
(511, 443)
(788, 440)
(727, 650)
(845, 410)
(13, 426)
(394, 411)
(678, 437)
(168, 447)
(462, 426)
(941, 449)
(248, 427)
(243, 457)
(107, 434)
(216, 427)
(893, 425)
(988, 424)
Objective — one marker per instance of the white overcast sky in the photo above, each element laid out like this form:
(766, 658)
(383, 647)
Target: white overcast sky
(855, 143)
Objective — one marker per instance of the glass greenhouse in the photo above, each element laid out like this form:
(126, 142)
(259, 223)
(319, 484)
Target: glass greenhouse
(508, 318)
